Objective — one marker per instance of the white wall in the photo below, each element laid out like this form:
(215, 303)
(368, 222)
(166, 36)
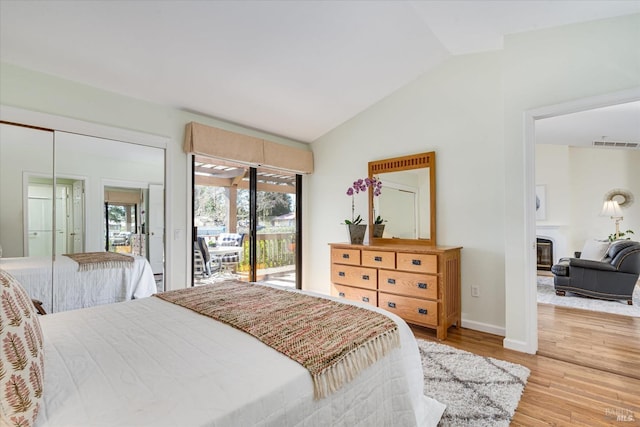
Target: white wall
(458, 117)
(577, 179)
(553, 171)
(595, 172)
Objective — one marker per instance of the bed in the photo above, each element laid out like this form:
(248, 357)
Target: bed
(80, 289)
(150, 362)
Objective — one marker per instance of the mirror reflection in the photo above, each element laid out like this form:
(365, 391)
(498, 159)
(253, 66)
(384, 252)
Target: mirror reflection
(56, 189)
(403, 204)
(69, 219)
(405, 209)
(26, 169)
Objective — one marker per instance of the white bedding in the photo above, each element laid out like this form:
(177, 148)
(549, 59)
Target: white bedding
(152, 363)
(75, 289)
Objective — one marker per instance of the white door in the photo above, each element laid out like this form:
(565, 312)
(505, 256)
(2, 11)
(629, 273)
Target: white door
(39, 219)
(78, 217)
(62, 219)
(155, 228)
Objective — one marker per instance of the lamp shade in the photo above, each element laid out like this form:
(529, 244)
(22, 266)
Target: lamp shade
(611, 208)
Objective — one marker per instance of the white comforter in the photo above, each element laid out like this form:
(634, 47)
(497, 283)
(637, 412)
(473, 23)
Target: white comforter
(152, 363)
(73, 289)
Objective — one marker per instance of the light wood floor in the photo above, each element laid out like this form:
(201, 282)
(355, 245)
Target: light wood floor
(566, 393)
(598, 340)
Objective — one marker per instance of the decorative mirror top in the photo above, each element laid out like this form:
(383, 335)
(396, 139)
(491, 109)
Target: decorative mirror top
(416, 161)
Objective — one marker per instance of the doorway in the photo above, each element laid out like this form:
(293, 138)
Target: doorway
(556, 328)
(68, 233)
(133, 222)
(255, 208)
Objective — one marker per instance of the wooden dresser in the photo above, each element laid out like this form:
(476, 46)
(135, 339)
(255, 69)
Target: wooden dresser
(421, 284)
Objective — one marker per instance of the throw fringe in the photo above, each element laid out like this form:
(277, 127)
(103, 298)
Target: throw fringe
(88, 261)
(103, 265)
(354, 362)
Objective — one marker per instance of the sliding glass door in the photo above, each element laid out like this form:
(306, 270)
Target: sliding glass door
(276, 227)
(257, 208)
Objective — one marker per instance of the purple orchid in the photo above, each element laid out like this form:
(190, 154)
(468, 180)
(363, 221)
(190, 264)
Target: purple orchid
(361, 185)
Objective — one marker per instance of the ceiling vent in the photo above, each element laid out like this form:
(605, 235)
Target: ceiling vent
(614, 144)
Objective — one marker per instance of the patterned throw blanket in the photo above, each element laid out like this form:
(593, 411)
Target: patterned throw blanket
(333, 341)
(97, 260)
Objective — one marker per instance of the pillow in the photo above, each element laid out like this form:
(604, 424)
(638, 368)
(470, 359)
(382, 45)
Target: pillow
(22, 355)
(594, 250)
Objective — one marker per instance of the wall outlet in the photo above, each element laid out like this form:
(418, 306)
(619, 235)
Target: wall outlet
(475, 291)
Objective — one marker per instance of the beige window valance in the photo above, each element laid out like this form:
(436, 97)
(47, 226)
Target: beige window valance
(122, 196)
(223, 144)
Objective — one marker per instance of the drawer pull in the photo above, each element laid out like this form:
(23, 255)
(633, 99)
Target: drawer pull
(378, 258)
(345, 256)
(422, 310)
(365, 277)
(422, 285)
(341, 273)
(416, 262)
(391, 304)
(341, 294)
(391, 281)
(365, 299)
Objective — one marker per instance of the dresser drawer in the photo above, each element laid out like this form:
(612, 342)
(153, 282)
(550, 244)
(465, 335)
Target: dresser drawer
(409, 284)
(355, 294)
(345, 256)
(363, 277)
(412, 310)
(379, 259)
(421, 263)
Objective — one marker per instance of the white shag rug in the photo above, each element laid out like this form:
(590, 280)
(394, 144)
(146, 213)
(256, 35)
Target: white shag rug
(478, 391)
(547, 295)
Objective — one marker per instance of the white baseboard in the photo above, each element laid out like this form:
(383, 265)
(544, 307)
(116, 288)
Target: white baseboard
(507, 343)
(483, 327)
(517, 345)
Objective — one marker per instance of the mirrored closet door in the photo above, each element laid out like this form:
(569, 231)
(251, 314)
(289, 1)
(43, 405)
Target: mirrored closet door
(55, 192)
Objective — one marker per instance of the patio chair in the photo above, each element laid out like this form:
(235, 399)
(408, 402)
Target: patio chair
(201, 258)
(229, 261)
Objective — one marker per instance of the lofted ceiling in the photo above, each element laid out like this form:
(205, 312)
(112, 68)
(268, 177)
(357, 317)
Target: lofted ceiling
(292, 68)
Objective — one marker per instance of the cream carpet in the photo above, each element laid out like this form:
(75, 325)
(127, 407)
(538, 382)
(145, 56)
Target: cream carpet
(547, 295)
(478, 391)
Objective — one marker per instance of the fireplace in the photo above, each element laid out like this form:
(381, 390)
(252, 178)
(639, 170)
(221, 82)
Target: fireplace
(544, 253)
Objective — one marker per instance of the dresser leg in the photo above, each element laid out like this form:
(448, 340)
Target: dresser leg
(441, 333)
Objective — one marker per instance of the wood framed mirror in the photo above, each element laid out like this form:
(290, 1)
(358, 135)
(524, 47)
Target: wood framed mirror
(407, 200)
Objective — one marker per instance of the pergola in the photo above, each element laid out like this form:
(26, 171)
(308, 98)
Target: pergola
(233, 176)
